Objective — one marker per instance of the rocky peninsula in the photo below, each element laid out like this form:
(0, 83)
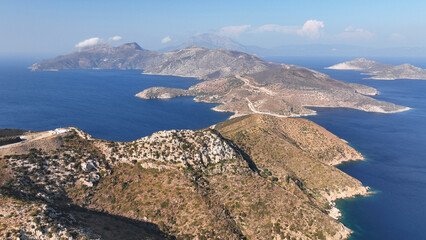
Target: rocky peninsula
(382, 71)
(221, 182)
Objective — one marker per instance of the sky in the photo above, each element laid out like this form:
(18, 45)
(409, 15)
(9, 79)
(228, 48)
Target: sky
(56, 27)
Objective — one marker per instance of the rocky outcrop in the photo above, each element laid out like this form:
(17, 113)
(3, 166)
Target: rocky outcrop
(382, 71)
(198, 149)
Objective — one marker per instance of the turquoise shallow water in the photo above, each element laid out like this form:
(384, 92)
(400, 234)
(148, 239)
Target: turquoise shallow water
(395, 149)
(102, 103)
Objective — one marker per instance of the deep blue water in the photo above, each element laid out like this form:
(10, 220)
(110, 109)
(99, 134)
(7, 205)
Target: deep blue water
(103, 104)
(395, 148)
(99, 102)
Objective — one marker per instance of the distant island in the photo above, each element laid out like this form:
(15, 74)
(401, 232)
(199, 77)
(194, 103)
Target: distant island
(382, 71)
(241, 83)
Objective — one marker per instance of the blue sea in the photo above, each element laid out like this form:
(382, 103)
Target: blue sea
(395, 149)
(103, 104)
(99, 102)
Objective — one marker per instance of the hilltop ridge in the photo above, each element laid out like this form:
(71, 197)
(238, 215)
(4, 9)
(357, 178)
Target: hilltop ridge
(210, 183)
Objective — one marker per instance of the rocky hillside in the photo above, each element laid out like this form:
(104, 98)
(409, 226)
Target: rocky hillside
(382, 71)
(223, 183)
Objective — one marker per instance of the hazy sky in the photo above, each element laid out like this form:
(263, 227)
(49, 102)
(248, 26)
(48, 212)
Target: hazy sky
(54, 27)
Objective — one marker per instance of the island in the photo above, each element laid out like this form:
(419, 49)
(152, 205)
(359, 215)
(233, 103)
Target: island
(239, 82)
(382, 71)
(226, 182)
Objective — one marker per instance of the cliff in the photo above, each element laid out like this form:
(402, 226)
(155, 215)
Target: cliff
(229, 182)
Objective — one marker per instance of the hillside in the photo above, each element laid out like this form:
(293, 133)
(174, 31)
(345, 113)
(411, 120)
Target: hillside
(223, 183)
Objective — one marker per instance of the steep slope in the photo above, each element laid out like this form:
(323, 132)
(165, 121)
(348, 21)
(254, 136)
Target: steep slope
(301, 150)
(184, 184)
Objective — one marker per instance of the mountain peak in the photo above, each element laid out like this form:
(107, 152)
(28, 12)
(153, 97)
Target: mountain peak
(132, 45)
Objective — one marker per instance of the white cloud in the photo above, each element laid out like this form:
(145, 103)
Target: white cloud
(396, 37)
(351, 33)
(233, 31)
(88, 42)
(276, 28)
(115, 38)
(311, 29)
(166, 39)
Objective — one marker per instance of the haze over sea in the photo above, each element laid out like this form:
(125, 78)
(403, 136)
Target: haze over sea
(103, 104)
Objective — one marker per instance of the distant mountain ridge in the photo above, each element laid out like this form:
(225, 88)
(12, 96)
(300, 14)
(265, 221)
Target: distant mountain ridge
(101, 56)
(215, 41)
(382, 71)
(198, 62)
(210, 41)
